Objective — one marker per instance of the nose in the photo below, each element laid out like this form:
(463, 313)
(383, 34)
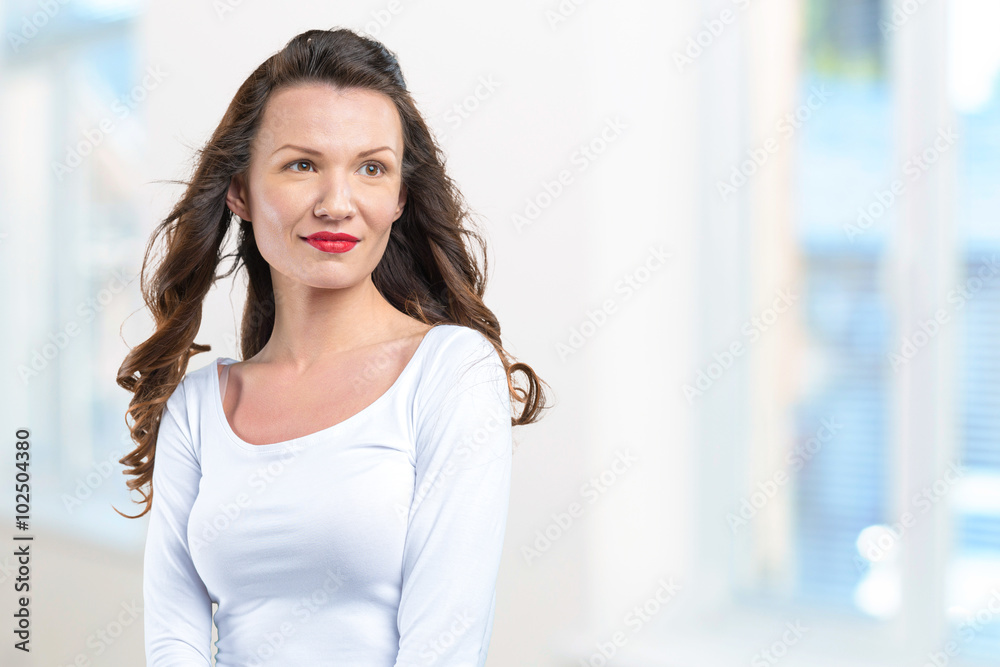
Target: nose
(335, 199)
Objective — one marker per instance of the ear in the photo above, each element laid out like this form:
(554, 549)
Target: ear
(402, 201)
(237, 199)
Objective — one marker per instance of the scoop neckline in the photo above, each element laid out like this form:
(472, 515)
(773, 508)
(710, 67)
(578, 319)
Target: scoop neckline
(306, 439)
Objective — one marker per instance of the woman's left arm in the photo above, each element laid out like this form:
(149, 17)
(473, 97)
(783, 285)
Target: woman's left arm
(458, 515)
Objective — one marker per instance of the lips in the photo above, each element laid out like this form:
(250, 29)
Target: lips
(330, 236)
(330, 242)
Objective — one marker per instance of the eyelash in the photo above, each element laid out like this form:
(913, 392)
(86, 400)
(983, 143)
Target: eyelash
(377, 164)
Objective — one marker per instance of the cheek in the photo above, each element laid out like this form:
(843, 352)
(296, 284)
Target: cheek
(379, 207)
(277, 210)
(275, 214)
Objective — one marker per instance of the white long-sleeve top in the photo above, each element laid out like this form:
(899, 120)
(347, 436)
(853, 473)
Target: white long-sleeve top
(375, 542)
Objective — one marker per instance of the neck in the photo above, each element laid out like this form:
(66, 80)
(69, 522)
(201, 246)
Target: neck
(314, 324)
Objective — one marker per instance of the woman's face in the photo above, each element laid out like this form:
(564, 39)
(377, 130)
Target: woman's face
(324, 160)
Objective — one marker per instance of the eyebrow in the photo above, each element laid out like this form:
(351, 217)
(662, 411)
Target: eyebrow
(313, 151)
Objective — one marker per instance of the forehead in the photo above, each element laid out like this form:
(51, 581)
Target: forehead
(329, 119)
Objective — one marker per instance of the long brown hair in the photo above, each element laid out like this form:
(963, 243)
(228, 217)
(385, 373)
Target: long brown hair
(427, 271)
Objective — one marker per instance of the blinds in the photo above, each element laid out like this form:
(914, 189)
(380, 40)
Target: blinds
(975, 569)
(842, 490)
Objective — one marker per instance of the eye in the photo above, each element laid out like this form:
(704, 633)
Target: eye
(380, 169)
(297, 163)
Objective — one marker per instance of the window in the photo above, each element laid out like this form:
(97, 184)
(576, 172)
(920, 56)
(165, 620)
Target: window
(973, 576)
(844, 214)
(886, 191)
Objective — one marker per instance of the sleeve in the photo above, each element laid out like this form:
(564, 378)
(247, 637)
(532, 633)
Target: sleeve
(176, 604)
(458, 516)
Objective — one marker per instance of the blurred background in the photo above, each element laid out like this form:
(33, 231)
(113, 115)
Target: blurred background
(752, 245)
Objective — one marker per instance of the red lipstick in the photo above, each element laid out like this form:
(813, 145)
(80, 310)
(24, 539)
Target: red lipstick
(330, 242)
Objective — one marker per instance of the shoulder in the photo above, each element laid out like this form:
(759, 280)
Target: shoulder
(196, 382)
(192, 388)
(458, 359)
(462, 393)
(456, 348)
(184, 408)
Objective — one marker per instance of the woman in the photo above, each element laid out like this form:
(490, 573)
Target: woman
(341, 494)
